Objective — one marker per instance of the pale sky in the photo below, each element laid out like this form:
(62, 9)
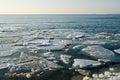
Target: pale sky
(59, 6)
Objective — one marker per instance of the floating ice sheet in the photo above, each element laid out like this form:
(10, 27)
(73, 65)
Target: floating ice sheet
(65, 58)
(40, 63)
(55, 44)
(7, 53)
(92, 42)
(83, 63)
(117, 51)
(98, 52)
(75, 35)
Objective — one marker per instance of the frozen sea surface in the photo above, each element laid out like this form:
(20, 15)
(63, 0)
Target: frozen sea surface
(47, 46)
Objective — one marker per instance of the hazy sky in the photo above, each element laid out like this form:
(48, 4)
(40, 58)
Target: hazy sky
(59, 6)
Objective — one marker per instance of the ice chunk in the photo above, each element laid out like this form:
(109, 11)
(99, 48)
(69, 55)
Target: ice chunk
(41, 42)
(117, 51)
(7, 53)
(75, 35)
(55, 44)
(65, 58)
(24, 57)
(83, 63)
(98, 52)
(4, 65)
(40, 63)
(94, 42)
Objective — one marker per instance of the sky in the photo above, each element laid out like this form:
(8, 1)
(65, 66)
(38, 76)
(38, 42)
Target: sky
(59, 6)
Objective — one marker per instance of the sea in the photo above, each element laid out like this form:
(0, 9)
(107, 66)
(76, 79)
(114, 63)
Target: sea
(18, 30)
(90, 22)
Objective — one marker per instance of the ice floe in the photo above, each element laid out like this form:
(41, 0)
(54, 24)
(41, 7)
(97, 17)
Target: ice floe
(49, 44)
(76, 35)
(7, 53)
(98, 52)
(25, 57)
(41, 42)
(48, 50)
(4, 65)
(40, 63)
(85, 64)
(93, 42)
(51, 56)
(66, 58)
(117, 51)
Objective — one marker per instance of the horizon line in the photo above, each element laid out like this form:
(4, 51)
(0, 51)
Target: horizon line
(60, 14)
